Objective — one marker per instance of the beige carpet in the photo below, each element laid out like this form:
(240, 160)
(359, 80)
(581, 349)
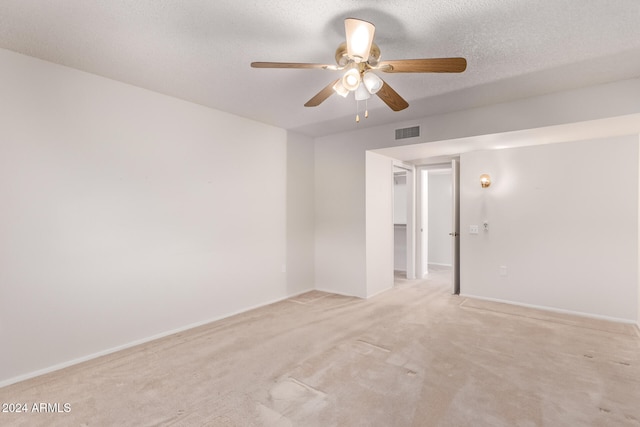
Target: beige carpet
(413, 356)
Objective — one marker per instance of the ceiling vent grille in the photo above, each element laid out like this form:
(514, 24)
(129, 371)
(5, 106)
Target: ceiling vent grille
(411, 132)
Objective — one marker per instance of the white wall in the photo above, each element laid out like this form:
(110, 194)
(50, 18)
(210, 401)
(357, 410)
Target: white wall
(340, 165)
(440, 194)
(300, 265)
(563, 220)
(340, 261)
(638, 262)
(400, 199)
(379, 223)
(127, 214)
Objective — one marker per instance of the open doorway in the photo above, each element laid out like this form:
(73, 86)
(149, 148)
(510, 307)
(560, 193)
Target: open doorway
(400, 195)
(404, 221)
(438, 221)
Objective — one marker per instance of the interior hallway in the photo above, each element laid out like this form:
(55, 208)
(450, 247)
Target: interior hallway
(414, 355)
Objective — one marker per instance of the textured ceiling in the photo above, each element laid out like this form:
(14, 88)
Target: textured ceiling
(200, 50)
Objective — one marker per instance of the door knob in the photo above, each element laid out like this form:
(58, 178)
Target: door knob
(454, 234)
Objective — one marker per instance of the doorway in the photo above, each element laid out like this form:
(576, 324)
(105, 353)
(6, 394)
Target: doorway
(403, 221)
(400, 222)
(438, 221)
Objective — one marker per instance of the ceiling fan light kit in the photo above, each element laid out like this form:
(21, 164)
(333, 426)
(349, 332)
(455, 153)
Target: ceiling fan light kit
(358, 58)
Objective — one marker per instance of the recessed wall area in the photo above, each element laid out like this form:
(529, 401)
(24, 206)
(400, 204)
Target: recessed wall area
(340, 160)
(562, 227)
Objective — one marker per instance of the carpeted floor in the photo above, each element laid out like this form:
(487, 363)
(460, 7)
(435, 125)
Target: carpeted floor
(413, 356)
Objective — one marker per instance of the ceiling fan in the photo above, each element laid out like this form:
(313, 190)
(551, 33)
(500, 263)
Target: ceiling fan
(359, 57)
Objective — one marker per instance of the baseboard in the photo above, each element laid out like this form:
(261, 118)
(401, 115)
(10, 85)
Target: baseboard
(329, 291)
(439, 265)
(353, 296)
(379, 292)
(554, 310)
(92, 356)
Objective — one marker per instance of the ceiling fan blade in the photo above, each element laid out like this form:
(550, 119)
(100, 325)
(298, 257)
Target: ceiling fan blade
(291, 65)
(359, 38)
(322, 95)
(391, 98)
(427, 65)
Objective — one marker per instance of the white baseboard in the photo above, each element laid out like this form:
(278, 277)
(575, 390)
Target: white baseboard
(553, 309)
(379, 292)
(353, 296)
(82, 359)
(439, 264)
(331, 291)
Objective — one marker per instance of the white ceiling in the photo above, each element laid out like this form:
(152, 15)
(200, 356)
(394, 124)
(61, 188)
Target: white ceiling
(200, 50)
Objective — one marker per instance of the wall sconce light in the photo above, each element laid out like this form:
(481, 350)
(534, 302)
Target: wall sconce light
(485, 180)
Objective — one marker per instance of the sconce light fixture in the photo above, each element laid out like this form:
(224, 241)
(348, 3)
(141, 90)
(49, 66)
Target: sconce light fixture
(485, 180)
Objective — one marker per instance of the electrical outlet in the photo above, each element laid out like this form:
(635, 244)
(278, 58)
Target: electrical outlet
(503, 271)
(473, 229)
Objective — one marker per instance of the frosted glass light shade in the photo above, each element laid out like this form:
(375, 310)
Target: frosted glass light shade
(359, 38)
(340, 90)
(351, 79)
(372, 82)
(362, 93)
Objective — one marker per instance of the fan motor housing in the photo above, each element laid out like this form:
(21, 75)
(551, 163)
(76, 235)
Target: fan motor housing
(342, 56)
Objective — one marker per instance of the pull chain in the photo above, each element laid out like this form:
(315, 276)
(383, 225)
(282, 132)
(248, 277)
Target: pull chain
(357, 111)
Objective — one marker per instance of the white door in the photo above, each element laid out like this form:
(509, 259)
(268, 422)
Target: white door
(455, 232)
